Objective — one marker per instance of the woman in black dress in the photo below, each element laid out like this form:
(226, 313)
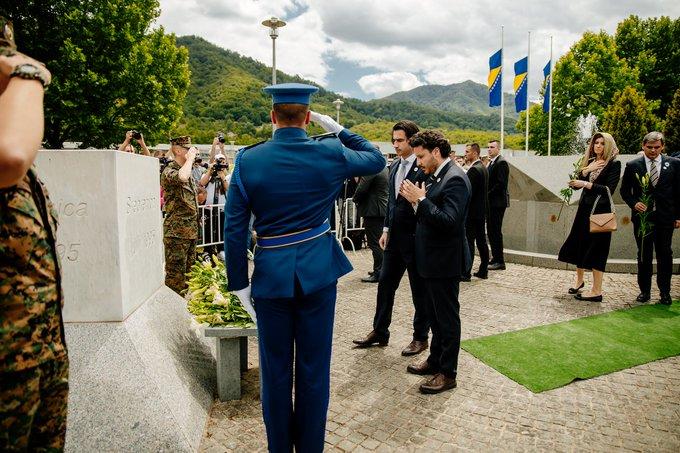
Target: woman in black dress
(589, 251)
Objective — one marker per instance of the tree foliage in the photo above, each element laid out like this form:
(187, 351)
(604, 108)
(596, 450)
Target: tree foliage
(652, 46)
(672, 125)
(111, 72)
(629, 118)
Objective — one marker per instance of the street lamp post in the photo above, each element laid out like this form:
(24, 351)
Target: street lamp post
(337, 103)
(273, 23)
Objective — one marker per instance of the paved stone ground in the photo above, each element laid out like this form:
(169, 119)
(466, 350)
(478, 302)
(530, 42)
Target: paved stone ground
(376, 406)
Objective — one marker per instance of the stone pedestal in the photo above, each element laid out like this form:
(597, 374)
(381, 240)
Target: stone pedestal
(110, 230)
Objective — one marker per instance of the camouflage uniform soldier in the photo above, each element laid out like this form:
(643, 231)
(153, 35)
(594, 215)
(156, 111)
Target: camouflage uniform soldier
(180, 229)
(33, 357)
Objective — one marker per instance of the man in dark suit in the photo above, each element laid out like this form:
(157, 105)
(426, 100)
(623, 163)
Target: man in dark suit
(475, 224)
(664, 181)
(499, 200)
(398, 241)
(442, 255)
(370, 197)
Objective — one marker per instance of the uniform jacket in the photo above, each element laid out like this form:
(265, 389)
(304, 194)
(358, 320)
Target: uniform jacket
(479, 183)
(181, 208)
(370, 195)
(291, 182)
(499, 173)
(441, 246)
(665, 196)
(31, 329)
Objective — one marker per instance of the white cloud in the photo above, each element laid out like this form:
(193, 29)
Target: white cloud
(386, 83)
(441, 41)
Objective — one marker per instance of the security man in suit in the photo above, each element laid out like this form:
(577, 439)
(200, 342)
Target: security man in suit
(370, 197)
(290, 184)
(475, 224)
(499, 201)
(442, 254)
(398, 241)
(664, 179)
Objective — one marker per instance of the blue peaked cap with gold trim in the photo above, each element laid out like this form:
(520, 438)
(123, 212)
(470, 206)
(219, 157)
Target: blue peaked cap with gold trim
(290, 93)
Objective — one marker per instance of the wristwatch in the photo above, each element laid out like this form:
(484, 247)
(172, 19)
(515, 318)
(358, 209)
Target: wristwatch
(30, 71)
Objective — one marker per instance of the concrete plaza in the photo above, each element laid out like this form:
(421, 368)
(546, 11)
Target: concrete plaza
(376, 406)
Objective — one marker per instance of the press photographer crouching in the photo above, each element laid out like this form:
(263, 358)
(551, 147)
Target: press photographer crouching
(216, 181)
(127, 143)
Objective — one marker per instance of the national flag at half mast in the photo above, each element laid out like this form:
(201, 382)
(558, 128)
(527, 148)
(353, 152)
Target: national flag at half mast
(520, 84)
(548, 87)
(495, 81)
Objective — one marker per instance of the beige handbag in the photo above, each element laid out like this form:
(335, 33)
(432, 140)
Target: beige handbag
(606, 222)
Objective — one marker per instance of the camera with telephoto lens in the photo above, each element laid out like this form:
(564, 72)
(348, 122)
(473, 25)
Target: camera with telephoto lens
(220, 137)
(136, 135)
(219, 167)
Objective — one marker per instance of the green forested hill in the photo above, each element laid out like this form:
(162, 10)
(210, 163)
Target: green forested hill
(464, 97)
(226, 94)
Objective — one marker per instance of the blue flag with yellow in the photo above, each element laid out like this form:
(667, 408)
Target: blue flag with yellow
(495, 81)
(548, 87)
(520, 84)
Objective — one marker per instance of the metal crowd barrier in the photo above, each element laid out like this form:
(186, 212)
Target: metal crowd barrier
(211, 223)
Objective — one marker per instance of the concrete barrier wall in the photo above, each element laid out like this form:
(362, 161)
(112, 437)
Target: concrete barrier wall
(110, 230)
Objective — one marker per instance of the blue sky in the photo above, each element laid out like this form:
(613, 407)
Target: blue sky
(369, 49)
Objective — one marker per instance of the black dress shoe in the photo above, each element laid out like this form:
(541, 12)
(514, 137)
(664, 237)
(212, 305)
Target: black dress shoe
(370, 279)
(422, 368)
(480, 275)
(665, 299)
(579, 296)
(371, 340)
(642, 298)
(414, 347)
(497, 267)
(439, 383)
(465, 278)
(576, 290)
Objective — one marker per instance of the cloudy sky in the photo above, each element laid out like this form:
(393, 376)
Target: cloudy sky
(372, 48)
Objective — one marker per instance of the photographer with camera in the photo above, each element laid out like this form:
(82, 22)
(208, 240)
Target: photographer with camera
(216, 181)
(217, 146)
(127, 147)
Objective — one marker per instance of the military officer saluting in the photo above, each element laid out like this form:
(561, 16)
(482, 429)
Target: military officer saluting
(180, 231)
(290, 183)
(33, 357)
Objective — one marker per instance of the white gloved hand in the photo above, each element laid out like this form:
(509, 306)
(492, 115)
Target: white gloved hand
(326, 122)
(247, 301)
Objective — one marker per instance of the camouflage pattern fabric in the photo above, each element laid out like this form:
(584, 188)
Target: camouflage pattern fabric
(30, 286)
(181, 208)
(33, 357)
(180, 255)
(33, 406)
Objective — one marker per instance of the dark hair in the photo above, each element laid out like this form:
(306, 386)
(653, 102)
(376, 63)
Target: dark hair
(291, 113)
(654, 136)
(475, 147)
(494, 141)
(409, 127)
(430, 140)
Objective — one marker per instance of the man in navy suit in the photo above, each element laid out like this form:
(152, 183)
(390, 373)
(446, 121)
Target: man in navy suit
(290, 184)
(442, 253)
(664, 175)
(398, 241)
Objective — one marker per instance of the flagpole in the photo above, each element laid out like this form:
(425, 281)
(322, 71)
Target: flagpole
(550, 98)
(526, 138)
(502, 97)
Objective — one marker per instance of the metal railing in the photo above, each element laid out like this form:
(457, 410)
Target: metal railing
(211, 223)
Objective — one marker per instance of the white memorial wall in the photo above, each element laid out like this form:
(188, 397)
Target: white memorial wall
(110, 230)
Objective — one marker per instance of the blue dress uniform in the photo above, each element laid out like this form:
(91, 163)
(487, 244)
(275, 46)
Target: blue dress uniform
(290, 183)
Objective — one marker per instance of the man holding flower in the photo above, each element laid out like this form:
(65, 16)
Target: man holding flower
(654, 230)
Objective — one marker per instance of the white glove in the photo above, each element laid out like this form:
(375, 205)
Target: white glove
(247, 302)
(326, 122)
